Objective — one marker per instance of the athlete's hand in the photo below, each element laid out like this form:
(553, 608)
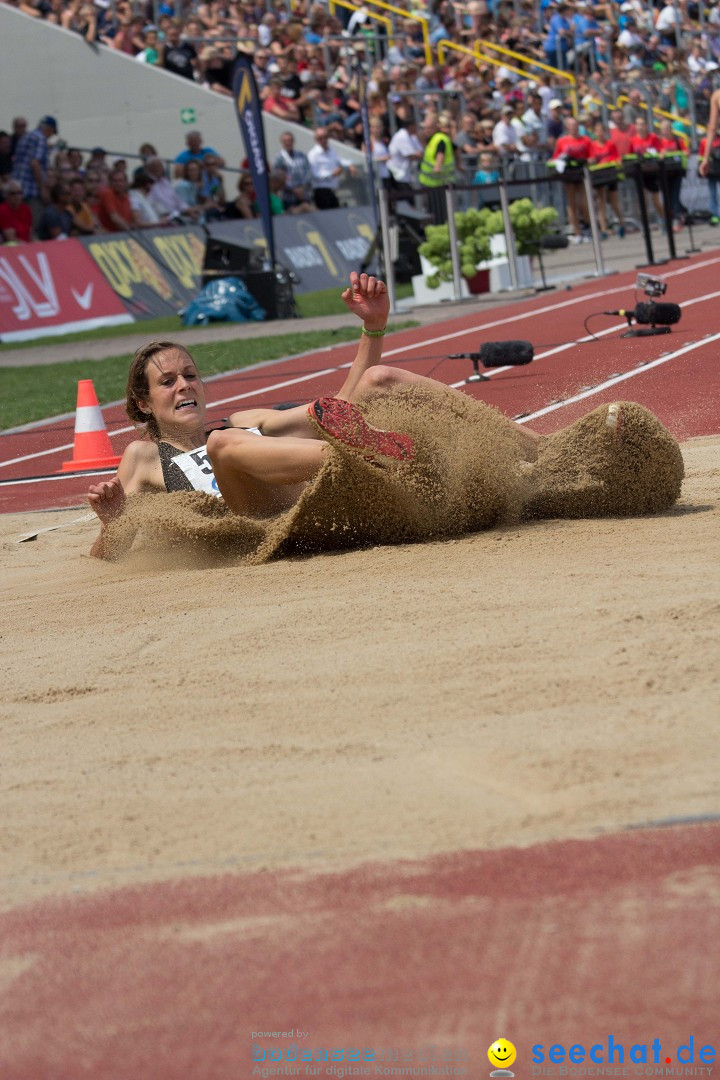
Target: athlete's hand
(107, 499)
(367, 297)
(703, 168)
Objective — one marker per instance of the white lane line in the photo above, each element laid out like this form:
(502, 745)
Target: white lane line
(620, 378)
(393, 352)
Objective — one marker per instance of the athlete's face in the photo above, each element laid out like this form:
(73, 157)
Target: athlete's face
(176, 395)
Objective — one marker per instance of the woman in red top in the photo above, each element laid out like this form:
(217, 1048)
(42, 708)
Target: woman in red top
(605, 151)
(645, 143)
(574, 149)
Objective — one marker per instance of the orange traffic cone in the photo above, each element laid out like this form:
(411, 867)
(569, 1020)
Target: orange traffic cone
(92, 449)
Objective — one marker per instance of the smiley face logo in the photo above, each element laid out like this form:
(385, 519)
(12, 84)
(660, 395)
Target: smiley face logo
(502, 1053)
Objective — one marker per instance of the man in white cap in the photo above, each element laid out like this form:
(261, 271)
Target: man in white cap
(505, 135)
(555, 123)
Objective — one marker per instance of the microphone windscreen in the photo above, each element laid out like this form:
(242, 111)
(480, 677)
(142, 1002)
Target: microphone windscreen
(502, 353)
(659, 314)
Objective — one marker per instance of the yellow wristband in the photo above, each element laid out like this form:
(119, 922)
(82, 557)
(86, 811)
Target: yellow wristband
(374, 333)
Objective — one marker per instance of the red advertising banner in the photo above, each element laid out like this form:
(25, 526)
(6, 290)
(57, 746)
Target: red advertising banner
(54, 288)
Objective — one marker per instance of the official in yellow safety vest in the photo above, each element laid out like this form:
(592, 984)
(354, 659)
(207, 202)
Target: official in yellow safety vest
(437, 167)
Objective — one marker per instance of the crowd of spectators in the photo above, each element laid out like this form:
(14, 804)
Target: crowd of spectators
(312, 68)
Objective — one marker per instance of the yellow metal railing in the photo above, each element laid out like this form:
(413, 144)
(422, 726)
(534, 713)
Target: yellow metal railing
(406, 15)
(445, 44)
(530, 61)
(656, 111)
(373, 15)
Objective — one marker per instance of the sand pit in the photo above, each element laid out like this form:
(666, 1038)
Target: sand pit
(532, 681)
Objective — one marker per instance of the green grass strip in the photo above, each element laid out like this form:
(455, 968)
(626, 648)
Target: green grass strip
(33, 393)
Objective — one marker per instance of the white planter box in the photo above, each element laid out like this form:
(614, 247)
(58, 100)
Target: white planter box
(499, 276)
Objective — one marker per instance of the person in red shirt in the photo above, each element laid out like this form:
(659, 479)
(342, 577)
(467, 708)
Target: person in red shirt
(15, 216)
(621, 132)
(606, 152)
(114, 209)
(574, 149)
(646, 143)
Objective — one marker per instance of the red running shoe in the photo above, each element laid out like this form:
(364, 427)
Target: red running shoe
(339, 421)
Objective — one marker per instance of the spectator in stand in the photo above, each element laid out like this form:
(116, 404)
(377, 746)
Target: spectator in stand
(621, 132)
(114, 210)
(212, 189)
(326, 169)
(505, 136)
(558, 37)
(166, 201)
(84, 222)
(298, 185)
(405, 151)
(216, 71)
(573, 150)
(15, 216)
(179, 57)
(466, 141)
(98, 163)
(145, 216)
(438, 167)
(150, 53)
(646, 143)
(75, 162)
(81, 18)
(187, 187)
(261, 69)
(30, 163)
(242, 205)
(5, 156)
(555, 122)
(534, 122)
(19, 127)
(606, 152)
(56, 220)
(276, 104)
(196, 151)
(379, 152)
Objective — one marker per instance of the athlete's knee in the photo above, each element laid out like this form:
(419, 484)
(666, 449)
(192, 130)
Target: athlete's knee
(378, 378)
(225, 444)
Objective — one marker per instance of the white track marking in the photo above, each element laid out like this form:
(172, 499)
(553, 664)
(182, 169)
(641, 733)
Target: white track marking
(620, 378)
(424, 343)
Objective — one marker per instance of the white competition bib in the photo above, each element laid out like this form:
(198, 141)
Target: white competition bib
(198, 469)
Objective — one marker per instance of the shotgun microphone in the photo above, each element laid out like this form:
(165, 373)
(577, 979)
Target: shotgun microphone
(651, 314)
(660, 318)
(499, 354)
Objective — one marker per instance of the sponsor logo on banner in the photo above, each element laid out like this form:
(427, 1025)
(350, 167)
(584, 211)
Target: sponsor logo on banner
(157, 273)
(322, 247)
(53, 288)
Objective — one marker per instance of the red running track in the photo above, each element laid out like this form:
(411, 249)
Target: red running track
(683, 389)
(564, 943)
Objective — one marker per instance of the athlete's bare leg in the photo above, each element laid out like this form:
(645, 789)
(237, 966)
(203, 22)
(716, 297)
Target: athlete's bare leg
(261, 477)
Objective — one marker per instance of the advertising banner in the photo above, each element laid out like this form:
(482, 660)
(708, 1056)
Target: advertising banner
(154, 272)
(53, 288)
(250, 119)
(321, 248)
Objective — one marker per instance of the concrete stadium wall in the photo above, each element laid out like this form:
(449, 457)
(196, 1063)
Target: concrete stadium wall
(104, 98)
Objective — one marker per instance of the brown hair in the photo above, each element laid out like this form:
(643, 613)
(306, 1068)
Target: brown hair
(138, 386)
